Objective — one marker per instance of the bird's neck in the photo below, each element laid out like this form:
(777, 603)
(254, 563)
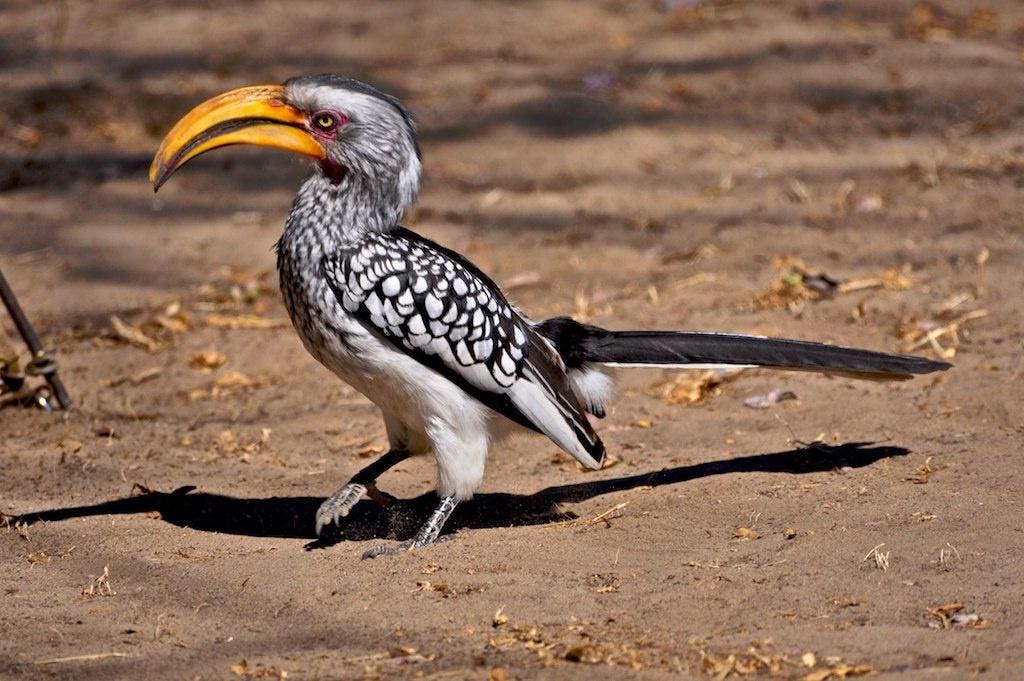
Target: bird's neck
(334, 213)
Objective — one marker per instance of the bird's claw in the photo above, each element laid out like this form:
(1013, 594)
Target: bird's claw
(338, 505)
(383, 550)
(403, 547)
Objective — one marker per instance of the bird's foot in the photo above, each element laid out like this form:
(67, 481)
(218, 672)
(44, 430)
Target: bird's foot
(338, 505)
(384, 550)
(430, 533)
(406, 546)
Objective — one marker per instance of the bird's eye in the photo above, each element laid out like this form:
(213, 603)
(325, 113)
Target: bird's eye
(325, 121)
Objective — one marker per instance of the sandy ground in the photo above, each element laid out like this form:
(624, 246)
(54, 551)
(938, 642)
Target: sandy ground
(634, 165)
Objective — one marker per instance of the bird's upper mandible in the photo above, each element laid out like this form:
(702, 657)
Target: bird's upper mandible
(348, 127)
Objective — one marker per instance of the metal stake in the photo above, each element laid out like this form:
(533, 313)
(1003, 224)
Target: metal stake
(28, 334)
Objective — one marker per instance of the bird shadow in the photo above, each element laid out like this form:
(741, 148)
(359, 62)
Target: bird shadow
(293, 517)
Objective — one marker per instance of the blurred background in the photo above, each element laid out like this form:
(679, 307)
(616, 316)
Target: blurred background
(618, 122)
(839, 170)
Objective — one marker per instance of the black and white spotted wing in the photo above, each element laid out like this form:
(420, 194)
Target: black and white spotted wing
(437, 307)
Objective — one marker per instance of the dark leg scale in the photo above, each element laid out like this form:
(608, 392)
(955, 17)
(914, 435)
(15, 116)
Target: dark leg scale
(362, 483)
(429, 533)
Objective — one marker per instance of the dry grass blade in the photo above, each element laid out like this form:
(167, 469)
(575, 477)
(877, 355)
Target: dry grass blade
(522, 280)
(693, 280)
(82, 658)
(243, 321)
(132, 335)
(600, 517)
(881, 560)
(839, 671)
(924, 473)
(894, 279)
(99, 586)
(947, 555)
(137, 378)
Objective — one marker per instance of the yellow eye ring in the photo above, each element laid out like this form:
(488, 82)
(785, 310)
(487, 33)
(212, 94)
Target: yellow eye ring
(324, 121)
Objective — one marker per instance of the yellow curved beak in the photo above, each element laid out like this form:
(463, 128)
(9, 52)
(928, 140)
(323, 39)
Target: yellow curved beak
(249, 115)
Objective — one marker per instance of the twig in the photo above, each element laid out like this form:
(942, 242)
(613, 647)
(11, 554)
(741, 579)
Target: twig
(861, 284)
(932, 336)
(599, 517)
(602, 516)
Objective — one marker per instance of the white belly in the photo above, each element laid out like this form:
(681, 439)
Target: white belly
(424, 410)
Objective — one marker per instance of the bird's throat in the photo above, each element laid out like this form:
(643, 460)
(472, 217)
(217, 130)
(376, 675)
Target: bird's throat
(333, 171)
(336, 212)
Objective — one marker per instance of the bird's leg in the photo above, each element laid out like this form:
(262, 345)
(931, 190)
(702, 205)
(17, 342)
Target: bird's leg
(362, 483)
(427, 534)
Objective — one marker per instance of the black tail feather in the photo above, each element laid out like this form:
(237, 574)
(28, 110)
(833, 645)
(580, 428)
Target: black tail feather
(579, 344)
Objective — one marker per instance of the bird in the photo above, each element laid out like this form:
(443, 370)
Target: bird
(417, 328)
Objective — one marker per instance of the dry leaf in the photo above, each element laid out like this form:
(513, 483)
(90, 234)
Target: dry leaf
(73, 446)
(208, 360)
(440, 588)
(795, 283)
(688, 388)
(949, 615)
(226, 442)
(233, 380)
(173, 319)
(243, 668)
(798, 191)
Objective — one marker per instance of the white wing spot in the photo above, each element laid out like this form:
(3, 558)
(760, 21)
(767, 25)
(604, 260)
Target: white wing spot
(482, 349)
(507, 365)
(416, 325)
(391, 286)
(434, 306)
(372, 303)
(462, 352)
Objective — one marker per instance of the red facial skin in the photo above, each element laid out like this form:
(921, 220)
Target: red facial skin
(333, 170)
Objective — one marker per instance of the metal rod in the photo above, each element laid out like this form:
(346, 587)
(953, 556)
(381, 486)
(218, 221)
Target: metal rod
(28, 334)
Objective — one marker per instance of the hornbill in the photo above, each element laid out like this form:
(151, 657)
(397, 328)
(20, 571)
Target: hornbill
(416, 327)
